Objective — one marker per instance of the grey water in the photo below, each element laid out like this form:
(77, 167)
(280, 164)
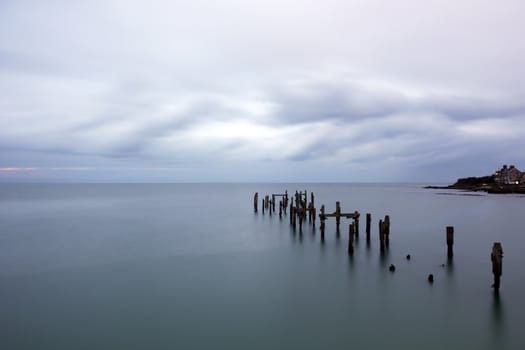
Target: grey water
(191, 266)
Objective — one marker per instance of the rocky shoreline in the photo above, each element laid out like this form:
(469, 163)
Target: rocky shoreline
(484, 184)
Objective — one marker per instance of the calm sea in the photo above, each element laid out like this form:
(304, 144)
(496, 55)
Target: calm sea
(190, 266)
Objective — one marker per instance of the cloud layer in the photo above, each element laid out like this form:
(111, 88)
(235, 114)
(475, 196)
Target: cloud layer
(260, 91)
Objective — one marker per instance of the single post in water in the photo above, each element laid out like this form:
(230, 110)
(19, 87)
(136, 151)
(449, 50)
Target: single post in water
(337, 215)
(351, 239)
(381, 235)
(386, 225)
(450, 241)
(356, 222)
(255, 201)
(368, 222)
(497, 268)
(322, 218)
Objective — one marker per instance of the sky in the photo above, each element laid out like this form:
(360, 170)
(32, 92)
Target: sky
(260, 90)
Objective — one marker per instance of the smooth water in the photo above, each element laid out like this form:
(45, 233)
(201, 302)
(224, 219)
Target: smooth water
(190, 266)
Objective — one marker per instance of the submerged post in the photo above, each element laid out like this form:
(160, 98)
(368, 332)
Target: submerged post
(262, 206)
(255, 201)
(368, 222)
(280, 209)
(497, 269)
(450, 241)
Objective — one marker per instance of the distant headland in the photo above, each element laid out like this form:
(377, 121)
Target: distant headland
(508, 179)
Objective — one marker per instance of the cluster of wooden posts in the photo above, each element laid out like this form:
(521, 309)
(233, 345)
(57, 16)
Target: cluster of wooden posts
(300, 208)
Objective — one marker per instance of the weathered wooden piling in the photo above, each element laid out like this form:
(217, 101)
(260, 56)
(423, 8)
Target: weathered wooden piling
(351, 239)
(262, 206)
(291, 213)
(497, 268)
(322, 219)
(255, 201)
(368, 222)
(450, 241)
(356, 222)
(337, 215)
(381, 235)
(386, 224)
(270, 208)
(280, 209)
(273, 202)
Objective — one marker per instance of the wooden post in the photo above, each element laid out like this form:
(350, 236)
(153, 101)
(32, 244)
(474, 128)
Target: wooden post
(497, 268)
(273, 202)
(270, 208)
(322, 219)
(382, 235)
(450, 241)
(291, 214)
(286, 198)
(337, 214)
(305, 199)
(255, 201)
(300, 222)
(351, 239)
(386, 225)
(280, 209)
(356, 222)
(262, 205)
(368, 222)
(313, 216)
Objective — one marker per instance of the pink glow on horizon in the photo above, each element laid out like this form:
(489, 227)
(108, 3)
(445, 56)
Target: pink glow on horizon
(15, 169)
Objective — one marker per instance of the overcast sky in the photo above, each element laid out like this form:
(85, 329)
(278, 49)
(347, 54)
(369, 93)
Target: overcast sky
(260, 90)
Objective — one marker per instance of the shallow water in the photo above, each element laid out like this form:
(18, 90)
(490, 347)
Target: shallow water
(190, 266)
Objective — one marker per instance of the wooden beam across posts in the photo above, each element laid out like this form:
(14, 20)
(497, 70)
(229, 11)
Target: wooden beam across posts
(497, 268)
(450, 241)
(337, 215)
(368, 222)
(255, 201)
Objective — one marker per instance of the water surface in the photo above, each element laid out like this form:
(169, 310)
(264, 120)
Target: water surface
(190, 266)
